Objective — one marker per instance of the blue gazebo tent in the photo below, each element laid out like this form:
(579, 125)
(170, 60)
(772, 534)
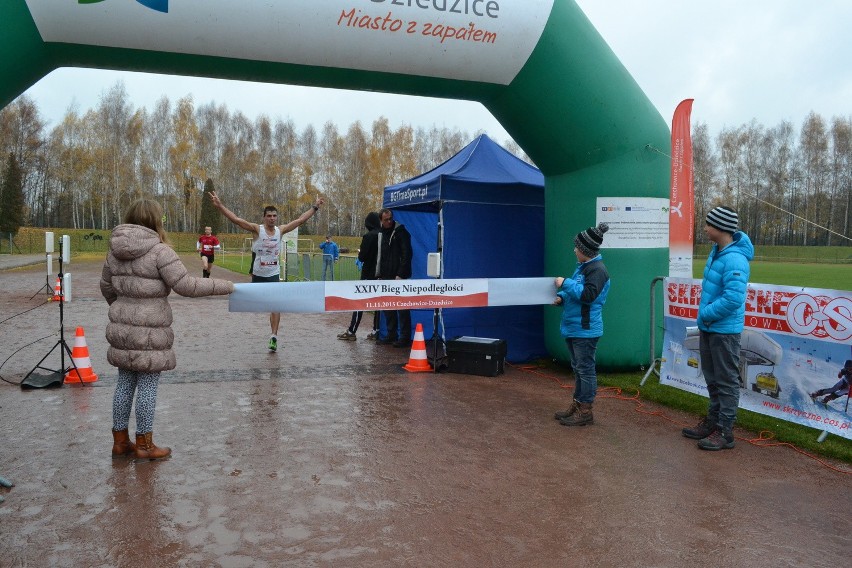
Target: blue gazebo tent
(484, 210)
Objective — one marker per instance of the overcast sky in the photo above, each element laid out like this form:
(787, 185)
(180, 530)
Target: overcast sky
(769, 60)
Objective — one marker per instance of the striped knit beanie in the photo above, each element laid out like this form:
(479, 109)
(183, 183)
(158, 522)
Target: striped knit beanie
(589, 241)
(724, 219)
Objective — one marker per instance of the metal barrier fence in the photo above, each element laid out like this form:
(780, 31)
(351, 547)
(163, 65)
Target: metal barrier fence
(303, 266)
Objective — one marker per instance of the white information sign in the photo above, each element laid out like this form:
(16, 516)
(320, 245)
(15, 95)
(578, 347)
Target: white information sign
(634, 222)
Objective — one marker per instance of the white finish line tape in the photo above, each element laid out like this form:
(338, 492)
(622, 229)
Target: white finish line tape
(368, 295)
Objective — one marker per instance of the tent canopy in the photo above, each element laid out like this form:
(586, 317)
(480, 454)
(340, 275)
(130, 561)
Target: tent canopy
(486, 207)
(482, 172)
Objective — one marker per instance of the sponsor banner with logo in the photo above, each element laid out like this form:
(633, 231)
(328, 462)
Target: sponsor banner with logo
(370, 295)
(413, 195)
(795, 342)
(472, 40)
(682, 214)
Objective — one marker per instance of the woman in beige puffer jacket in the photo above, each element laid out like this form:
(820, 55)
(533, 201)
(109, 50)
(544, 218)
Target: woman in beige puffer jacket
(139, 273)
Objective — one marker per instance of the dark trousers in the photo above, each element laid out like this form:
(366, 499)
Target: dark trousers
(355, 321)
(582, 351)
(404, 322)
(720, 364)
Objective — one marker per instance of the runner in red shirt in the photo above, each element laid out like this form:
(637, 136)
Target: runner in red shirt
(207, 243)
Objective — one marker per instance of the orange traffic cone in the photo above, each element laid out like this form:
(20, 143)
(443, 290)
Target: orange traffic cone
(57, 290)
(80, 355)
(417, 361)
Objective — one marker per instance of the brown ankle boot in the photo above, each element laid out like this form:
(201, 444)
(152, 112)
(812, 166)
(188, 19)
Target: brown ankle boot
(567, 413)
(121, 444)
(145, 448)
(582, 417)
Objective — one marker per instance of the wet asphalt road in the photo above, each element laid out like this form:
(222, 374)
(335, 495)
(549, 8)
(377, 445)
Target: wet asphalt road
(327, 453)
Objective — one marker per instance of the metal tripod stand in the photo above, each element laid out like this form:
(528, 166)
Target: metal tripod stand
(61, 343)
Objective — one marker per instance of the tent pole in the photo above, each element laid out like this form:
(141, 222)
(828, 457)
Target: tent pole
(436, 317)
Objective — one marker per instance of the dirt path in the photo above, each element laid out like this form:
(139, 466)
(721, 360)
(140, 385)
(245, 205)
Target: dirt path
(327, 453)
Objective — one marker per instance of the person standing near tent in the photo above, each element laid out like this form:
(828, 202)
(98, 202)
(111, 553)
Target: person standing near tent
(330, 255)
(368, 253)
(139, 273)
(721, 317)
(207, 244)
(582, 298)
(395, 264)
(266, 247)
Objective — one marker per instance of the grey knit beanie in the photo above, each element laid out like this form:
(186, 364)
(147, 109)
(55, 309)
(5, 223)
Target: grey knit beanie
(589, 241)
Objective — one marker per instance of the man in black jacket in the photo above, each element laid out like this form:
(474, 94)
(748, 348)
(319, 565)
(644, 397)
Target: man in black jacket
(368, 254)
(395, 264)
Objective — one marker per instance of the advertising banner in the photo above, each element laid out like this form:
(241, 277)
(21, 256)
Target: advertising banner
(796, 342)
(405, 294)
(370, 295)
(473, 40)
(681, 208)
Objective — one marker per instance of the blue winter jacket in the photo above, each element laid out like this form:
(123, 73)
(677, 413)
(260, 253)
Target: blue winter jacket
(583, 297)
(723, 290)
(331, 249)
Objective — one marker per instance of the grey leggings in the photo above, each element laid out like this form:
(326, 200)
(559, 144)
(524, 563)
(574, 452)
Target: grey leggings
(145, 387)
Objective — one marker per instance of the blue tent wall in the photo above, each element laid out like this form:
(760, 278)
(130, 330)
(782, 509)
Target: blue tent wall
(483, 240)
(491, 229)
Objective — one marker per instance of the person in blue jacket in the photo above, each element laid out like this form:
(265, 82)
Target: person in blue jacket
(721, 315)
(330, 255)
(582, 298)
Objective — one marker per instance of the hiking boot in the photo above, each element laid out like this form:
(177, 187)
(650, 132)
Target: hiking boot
(717, 440)
(567, 413)
(347, 336)
(273, 343)
(582, 417)
(700, 430)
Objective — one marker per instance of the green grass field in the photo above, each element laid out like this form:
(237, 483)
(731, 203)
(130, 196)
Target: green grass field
(810, 275)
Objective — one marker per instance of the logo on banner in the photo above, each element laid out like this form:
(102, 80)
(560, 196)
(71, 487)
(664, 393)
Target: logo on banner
(158, 5)
(405, 294)
(820, 316)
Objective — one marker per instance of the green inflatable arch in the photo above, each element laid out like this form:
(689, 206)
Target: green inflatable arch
(538, 66)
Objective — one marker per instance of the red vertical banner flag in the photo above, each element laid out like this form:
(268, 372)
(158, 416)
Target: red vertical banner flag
(681, 206)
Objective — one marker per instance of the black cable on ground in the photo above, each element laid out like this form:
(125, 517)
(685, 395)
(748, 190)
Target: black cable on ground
(2, 378)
